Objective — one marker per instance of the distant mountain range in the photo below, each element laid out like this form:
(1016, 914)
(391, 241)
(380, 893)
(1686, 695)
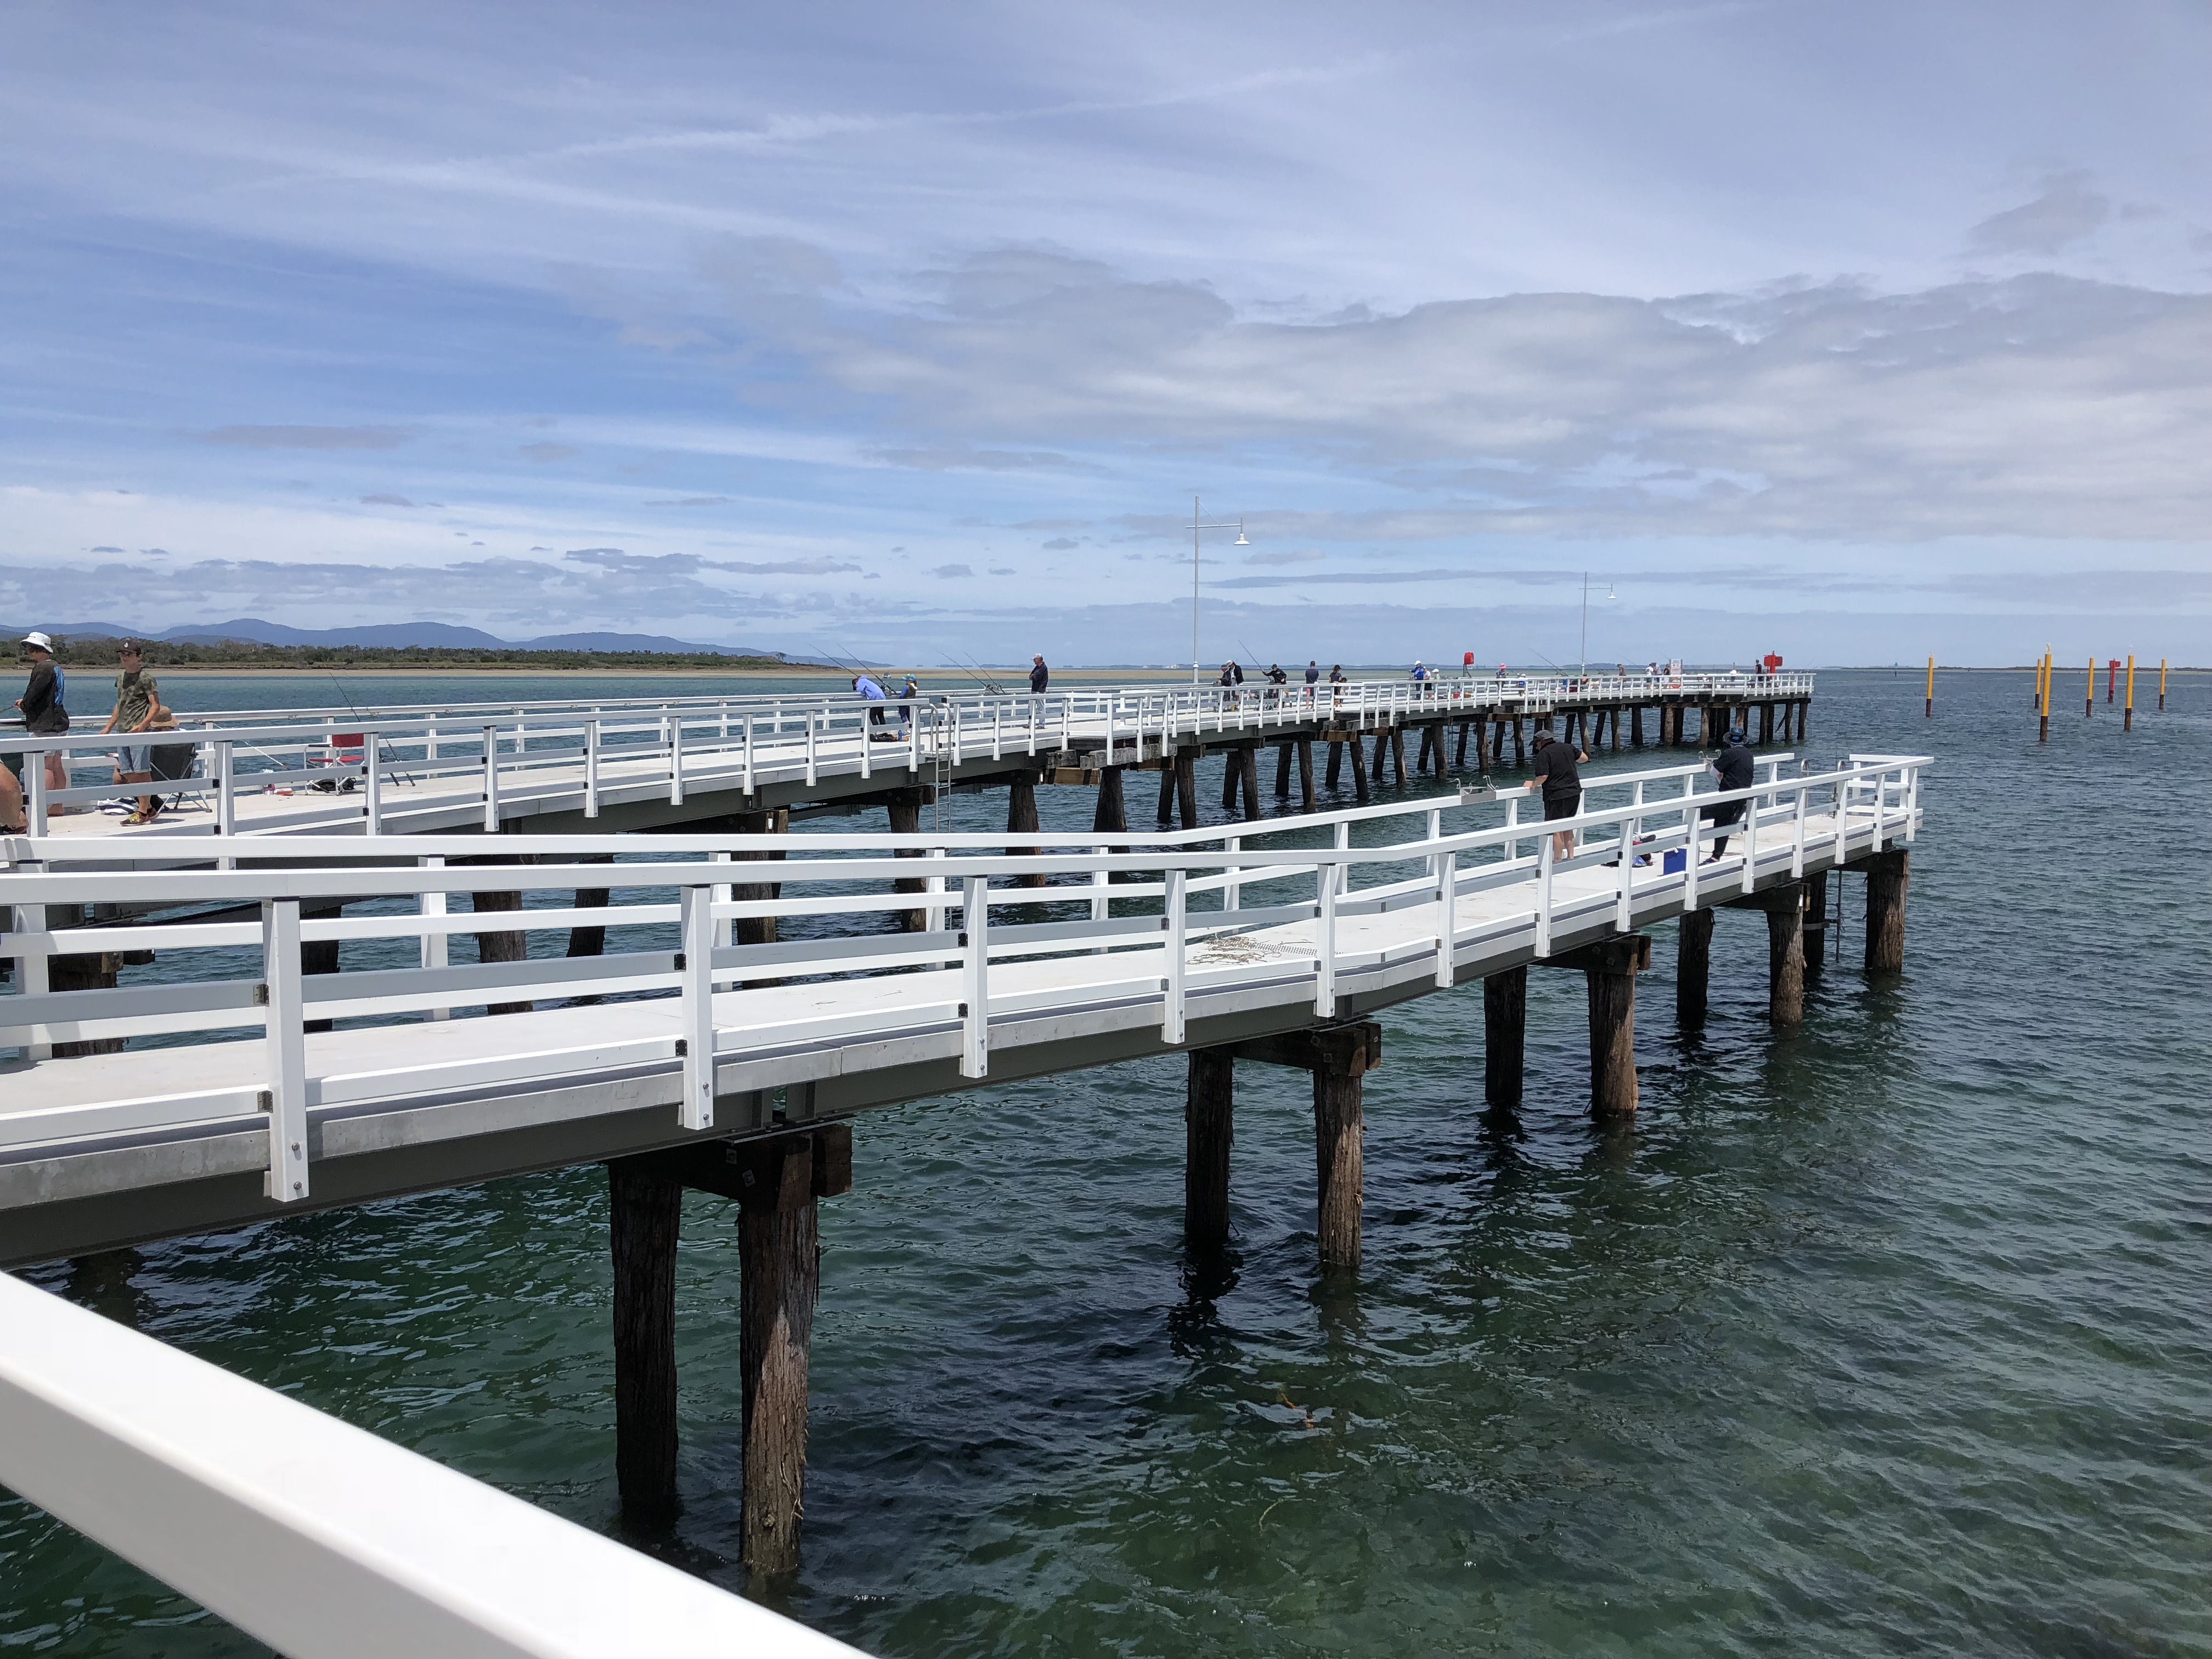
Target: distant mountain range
(391, 635)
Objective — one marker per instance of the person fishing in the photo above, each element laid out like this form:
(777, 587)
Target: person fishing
(909, 694)
(865, 685)
(1734, 767)
(45, 712)
(1557, 767)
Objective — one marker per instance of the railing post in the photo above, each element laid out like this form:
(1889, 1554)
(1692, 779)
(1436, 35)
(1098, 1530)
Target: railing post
(226, 791)
(592, 766)
(813, 717)
(1232, 886)
(1797, 842)
(372, 780)
(696, 1110)
(1543, 897)
(1750, 843)
(1178, 924)
(491, 780)
(1326, 876)
(1343, 872)
(975, 977)
(433, 945)
(1689, 844)
(1512, 821)
(285, 1021)
(750, 786)
(1445, 866)
(676, 759)
(1102, 900)
(935, 886)
(32, 971)
(34, 791)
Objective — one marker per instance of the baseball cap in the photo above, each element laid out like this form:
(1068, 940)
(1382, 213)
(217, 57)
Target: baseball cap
(39, 640)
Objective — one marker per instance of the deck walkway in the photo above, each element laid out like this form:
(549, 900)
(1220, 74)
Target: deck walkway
(103, 1149)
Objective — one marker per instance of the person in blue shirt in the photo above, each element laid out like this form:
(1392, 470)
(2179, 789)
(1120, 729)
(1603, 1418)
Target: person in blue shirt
(865, 685)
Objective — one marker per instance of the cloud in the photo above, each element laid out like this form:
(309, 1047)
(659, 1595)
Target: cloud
(2066, 211)
(108, 549)
(1303, 555)
(693, 501)
(1004, 570)
(963, 458)
(1060, 544)
(307, 437)
(549, 452)
(1362, 578)
(950, 570)
(818, 565)
(385, 501)
(153, 552)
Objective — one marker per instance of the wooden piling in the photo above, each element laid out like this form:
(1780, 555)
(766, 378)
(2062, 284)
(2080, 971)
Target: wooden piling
(1816, 923)
(1428, 745)
(1379, 768)
(503, 947)
(1693, 960)
(1635, 726)
(779, 1268)
(1246, 758)
(1305, 774)
(1929, 713)
(1888, 874)
(903, 808)
(1458, 756)
(1520, 754)
(759, 930)
(1504, 1035)
(1167, 789)
(1359, 790)
(1186, 783)
(1209, 1127)
(2089, 702)
(1232, 774)
(2162, 685)
(644, 1209)
(1283, 771)
(1339, 1131)
(1784, 908)
(1111, 816)
(1022, 820)
(1335, 761)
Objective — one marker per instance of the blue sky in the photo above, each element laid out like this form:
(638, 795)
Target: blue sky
(1855, 331)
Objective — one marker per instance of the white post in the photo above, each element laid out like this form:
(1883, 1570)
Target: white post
(1445, 868)
(814, 716)
(285, 1022)
(1326, 878)
(1797, 839)
(1751, 842)
(372, 760)
(491, 780)
(1543, 897)
(226, 791)
(34, 791)
(1689, 849)
(31, 970)
(433, 945)
(591, 767)
(934, 909)
(1343, 845)
(676, 759)
(1177, 922)
(1232, 884)
(723, 893)
(1102, 902)
(749, 755)
(1630, 829)
(695, 1108)
(975, 978)
(998, 728)
(1513, 818)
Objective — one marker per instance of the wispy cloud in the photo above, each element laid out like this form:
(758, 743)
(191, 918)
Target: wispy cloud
(306, 437)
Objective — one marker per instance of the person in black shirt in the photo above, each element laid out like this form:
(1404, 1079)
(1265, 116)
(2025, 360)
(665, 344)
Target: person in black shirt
(1040, 676)
(1558, 776)
(1734, 767)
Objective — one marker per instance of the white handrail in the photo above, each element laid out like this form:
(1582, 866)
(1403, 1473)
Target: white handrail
(318, 1537)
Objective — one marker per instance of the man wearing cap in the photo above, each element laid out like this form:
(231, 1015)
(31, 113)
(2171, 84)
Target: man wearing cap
(1733, 766)
(137, 707)
(1557, 774)
(45, 714)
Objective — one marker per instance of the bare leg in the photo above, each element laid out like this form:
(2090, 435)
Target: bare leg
(11, 803)
(148, 804)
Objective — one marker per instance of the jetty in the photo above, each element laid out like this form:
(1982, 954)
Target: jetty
(718, 1006)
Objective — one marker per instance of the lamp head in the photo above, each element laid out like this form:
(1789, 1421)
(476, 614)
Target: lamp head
(1241, 541)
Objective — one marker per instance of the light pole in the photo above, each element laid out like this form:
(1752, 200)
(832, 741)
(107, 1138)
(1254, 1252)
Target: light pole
(1586, 588)
(1197, 523)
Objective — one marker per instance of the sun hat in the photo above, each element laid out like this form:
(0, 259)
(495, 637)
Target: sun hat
(39, 640)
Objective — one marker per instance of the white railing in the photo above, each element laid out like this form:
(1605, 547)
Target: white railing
(1142, 899)
(319, 1539)
(407, 771)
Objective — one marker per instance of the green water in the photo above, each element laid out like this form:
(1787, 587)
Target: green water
(1893, 1334)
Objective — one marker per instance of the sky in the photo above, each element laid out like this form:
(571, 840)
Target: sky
(1855, 330)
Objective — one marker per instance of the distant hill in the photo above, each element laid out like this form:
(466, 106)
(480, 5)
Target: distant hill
(395, 636)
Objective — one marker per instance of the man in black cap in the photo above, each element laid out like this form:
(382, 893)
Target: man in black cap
(1558, 776)
(1733, 766)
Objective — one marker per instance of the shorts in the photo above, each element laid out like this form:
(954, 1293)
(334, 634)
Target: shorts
(1562, 806)
(134, 757)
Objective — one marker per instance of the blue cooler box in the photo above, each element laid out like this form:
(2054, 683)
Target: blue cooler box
(1675, 862)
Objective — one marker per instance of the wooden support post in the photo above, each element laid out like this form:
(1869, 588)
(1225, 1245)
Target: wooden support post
(1693, 961)
(904, 808)
(1609, 968)
(1022, 819)
(1458, 756)
(1335, 762)
(85, 970)
(1185, 779)
(1359, 792)
(1428, 747)
(1888, 875)
(1504, 1035)
(1635, 726)
(500, 946)
(759, 930)
(1816, 923)
(590, 941)
(1520, 754)
(1497, 746)
(316, 956)
(778, 1269)
(1337, 1056)
(1230, 773)
(1112, 816)
(1305, 774)
(1209, 1125)
(1784, 906)
(1283, 769)
(643, 1210)
(1377, 768)
(1247, 760)
(1167, 790)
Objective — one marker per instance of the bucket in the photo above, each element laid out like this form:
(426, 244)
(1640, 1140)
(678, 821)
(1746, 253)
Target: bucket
(1675, 862)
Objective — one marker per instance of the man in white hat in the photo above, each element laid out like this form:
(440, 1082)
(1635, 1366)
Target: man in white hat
(44, 715)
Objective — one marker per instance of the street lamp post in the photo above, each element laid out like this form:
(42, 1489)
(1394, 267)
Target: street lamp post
(1198, 524)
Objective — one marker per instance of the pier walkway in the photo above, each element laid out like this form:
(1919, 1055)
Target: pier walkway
(652, 763)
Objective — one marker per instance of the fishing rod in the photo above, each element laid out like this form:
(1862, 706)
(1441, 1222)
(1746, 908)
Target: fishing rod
(384, 749)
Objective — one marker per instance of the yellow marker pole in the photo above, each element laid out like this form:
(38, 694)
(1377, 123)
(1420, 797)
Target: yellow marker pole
(2128, 715)
(2043, 698)
(2162, 685)
(1929, 712)
(2089, 709)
